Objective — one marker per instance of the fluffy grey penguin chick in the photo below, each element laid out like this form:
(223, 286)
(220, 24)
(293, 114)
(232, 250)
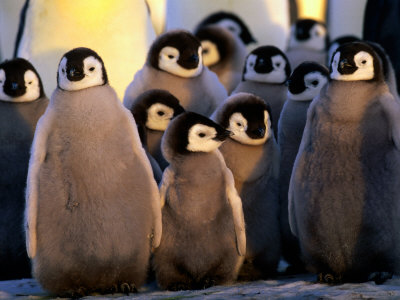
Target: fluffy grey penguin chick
(22, 102)
(223, 53)
(204, 240)
(174, 63)
(344, 194)
(153, 110)
(305, 83)
(230, 21)
(265, 73)
(252, 155)
(308, 41)
(92, 205)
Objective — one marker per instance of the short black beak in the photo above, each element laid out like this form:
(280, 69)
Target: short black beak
(257, 133)
(345, 67)
(13, 89)
(301, 34)
(223, 135)
(74, 74)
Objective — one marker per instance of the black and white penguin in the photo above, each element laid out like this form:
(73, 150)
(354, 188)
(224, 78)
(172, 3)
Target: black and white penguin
(203, 241)
(343, 195)
(174, 63)
(230, 21)
(308, 41)
(223, 53)
(252, 154)
(22, 102)
(153, 110)
(92, 204)
(304, 85)
(265, 73)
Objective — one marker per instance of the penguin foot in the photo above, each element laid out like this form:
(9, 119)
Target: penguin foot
(329, 278)
(380, 277)
(126, 288)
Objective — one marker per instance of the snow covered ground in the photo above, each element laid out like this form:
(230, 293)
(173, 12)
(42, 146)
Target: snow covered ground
(295, 287)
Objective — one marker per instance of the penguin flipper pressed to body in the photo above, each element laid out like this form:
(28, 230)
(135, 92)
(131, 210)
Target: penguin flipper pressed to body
(391, 107)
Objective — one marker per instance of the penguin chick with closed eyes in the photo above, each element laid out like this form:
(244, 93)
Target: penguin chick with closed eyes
(304, 85)
(252, 155)
(174, 63)
(223, 53)
(265, 73)
(308, 41)
(204, 240)
(153, 110)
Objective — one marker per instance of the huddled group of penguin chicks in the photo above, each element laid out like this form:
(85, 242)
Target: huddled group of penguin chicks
(253, 162)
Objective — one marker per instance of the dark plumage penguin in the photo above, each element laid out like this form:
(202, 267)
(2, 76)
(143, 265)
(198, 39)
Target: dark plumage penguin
(344, 201)
(252, 155)
(92, 205)
(174, 63)
(22, 102)
(204, 240)
(305, 83)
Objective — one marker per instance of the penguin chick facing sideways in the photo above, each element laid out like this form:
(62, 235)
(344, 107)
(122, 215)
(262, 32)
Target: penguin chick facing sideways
(252, 155)
(265, 73)
(203, 241)
(223, 53)
(92, 204)
(22, 102)
(305, 83)
(308, 41)
(344, 201)
(174, 63)
(153, 110)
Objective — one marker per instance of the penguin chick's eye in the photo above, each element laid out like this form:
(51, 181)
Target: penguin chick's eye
(201, 134)
(278, 65)
(63, 71)
(160, 113)
(364, 62)
(205, 51)
(239, 124)
(170, 56)
(91, 69)
(315, 82)
(30, 82)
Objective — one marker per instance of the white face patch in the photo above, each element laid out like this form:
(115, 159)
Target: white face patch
(277, 75)
(210, 53)
(332, 50)
(365, 67)
(316, 41)
(201, 139)
(313, 82)
(32, 88)
(168, 61)
(159, 116)
(92, 69)
(231, 26)
(238, 126)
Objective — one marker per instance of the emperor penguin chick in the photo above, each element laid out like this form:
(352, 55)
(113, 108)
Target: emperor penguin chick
(344, 200)
(308, 41)
(252, 155)
(153, 110)
(92, 204)
(305, 83)
(22, 102)
(223, 53)
(203, 241)
(265, 73)
(174, 63)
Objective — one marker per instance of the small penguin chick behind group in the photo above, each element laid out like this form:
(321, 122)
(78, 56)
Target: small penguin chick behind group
(174, 63)
(308, 41)
(265, 73)
(22, 102)
(203, 241)
(153, 110)
(230, 21)
(223, 53)
(252, 155)
(344, 185)
(87, 166)
(304, 84)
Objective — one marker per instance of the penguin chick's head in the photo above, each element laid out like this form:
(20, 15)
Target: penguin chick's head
(231, 22)
(19, 81)
(192, 132)
(81, 68)
(306, 81)
(217, 44)
(155, 108)
(338, 42)
(177, 52)
(356, 61)
(309, 34)
(266, 64)
(247, 117)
